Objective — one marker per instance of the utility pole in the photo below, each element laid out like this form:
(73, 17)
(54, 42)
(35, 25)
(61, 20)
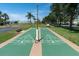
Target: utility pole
(37, 30)
(37, 16)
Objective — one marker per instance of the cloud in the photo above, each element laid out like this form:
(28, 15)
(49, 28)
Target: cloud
(41, 13)
(22, 18)
(19, 17)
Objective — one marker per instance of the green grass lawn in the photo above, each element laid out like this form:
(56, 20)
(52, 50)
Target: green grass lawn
(70, 35)
(24, 26)
(7, 35)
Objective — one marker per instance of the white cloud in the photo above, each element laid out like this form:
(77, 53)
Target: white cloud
(41, 13)
(19, 17)
(22, 18)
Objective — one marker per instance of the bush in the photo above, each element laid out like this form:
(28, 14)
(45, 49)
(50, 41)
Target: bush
(78, 24)
(19, 30)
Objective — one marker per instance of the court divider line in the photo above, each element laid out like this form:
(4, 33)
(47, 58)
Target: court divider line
(13, 38)
(71, 44)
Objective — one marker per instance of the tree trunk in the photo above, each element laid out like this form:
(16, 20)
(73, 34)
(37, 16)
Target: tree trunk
(30, 21)
(71, 22)
(60, 23)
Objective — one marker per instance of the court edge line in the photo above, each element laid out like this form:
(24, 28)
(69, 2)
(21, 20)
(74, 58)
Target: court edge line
(71, 44)
(13, 38)
(35, 46)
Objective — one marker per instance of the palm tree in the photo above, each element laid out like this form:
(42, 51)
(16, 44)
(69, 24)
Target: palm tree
(5, 17)
(34, 18)
(29, 16)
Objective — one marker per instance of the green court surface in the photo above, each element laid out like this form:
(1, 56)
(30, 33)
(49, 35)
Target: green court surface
(53, 46)
(21, 46)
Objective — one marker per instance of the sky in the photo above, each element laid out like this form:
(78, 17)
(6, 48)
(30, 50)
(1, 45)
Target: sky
(17, 11)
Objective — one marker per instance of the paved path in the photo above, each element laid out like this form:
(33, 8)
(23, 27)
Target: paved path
(50, 45)
(53, 46)
(21, 46)
(36, 49)
(7, 29)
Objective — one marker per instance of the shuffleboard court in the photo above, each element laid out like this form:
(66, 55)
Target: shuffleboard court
(21, 46)
(53, 46)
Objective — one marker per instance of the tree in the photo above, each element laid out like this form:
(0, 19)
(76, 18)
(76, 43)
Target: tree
(71, 11)
(5, 16)
(29, 16)
(65, 12)
(57, 10)
(0, 15)
(16, 22)
(34, 18)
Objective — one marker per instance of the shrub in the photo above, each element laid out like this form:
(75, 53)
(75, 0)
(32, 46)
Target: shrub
(19, 30)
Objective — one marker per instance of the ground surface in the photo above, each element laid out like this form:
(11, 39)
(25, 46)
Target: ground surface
(50, 45)
(21, 46)
(53, 46)
(4, 36)
(73, 36)
(9, 31)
